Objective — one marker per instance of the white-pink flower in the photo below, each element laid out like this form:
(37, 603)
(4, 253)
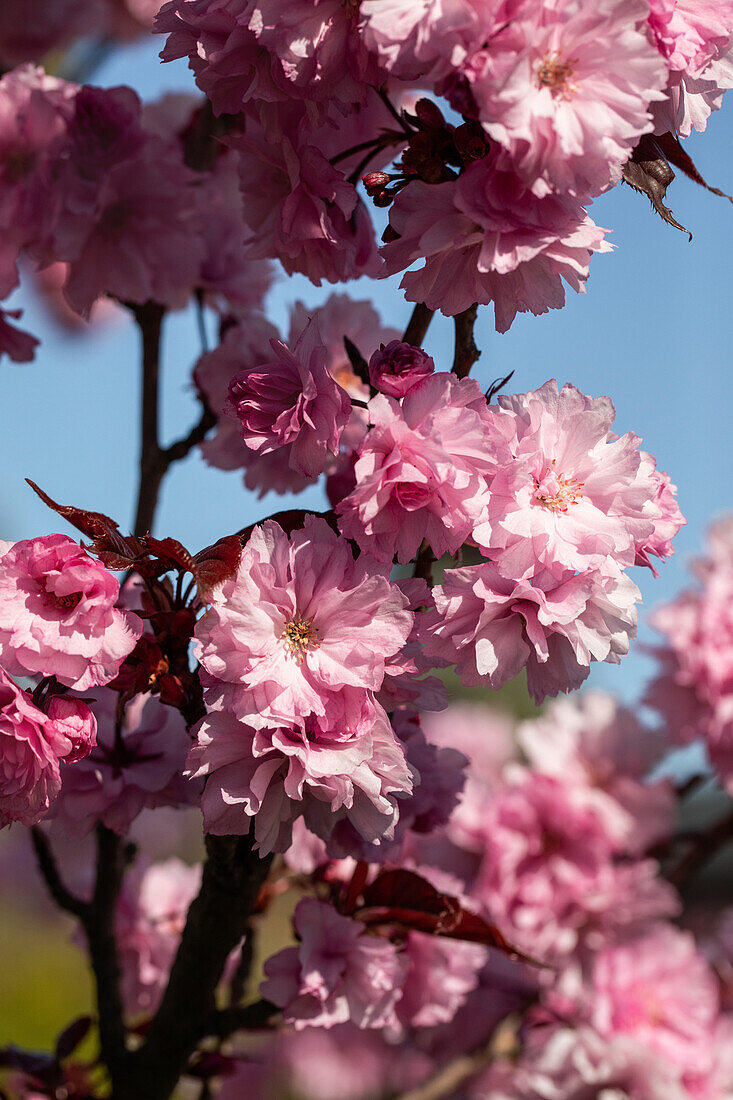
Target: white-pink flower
(338, 972)
(567, 493)
(299, 626)
(548, 92)
(421, 471)
(58, 615)
(487, 238)
(327, 771)
(292, 401)
(553, 626)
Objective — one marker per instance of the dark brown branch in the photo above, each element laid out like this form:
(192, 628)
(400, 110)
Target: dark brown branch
(184, 446)
(217, 920)
(466, 352)
(100, 931)
(149, 318)
(418, 325)
(52, 877)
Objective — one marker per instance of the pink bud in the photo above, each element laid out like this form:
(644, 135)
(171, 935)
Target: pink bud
(74, 720)
(396, 368)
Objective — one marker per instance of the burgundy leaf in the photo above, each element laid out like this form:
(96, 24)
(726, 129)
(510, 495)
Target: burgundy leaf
(104, 532)
(648, 171)
(216, 563)
(675, 154)
(71, 1036)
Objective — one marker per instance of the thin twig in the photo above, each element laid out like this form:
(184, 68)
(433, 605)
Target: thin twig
(184, 446)
(705, 845)
(394, 112)
(466, 352)
(227, 1021)
(52, 877)
(418, 325)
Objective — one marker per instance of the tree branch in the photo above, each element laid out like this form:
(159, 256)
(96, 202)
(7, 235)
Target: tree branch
(449, 1079)
(52, 877)
(466, 352)
(252, 1017)
(184, 446)
(418, 325)
(217, 920)
(705, 846)
(149, 318)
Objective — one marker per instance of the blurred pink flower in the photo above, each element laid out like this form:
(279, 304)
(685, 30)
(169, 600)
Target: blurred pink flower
(338, 973)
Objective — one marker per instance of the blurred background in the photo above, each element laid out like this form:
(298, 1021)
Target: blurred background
(653, 332)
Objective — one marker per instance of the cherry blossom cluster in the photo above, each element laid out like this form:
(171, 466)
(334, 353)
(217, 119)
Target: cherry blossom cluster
(493, 204)
(693, 692)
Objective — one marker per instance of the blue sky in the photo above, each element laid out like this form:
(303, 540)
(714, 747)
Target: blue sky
(654, 332)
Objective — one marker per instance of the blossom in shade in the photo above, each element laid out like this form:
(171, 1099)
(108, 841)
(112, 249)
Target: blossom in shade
(337, 973)
(244, 346)
(395, 368)
(421, 470)
(330, 772)
(17, 345)
(487, 238)
(341, 316)
(31, 746)
(58, 615)
(545, 92)
(298, 626)
(150, 916)
(303, 210)
(567, 493)
(601, 748)
(292, 401)
(127, 771)
(441, 974)
(55, 23)
(553, 626)
(659, 990)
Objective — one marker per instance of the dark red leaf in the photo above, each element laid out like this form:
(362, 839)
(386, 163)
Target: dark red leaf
(675, 154)
(216, 563)
(408, 900)
(170, 554)
(71, 1036)
(648, 171)
(104, 532)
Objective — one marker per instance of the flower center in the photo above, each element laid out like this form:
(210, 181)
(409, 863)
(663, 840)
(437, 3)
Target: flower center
(554, 73)
(299, 636)
(556, 492)
(62, 603)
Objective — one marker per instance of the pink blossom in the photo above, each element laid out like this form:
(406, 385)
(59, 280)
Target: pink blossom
(441, 973)
(546, 93)
(58, 615)
(34, 111)
(405, 682)
(339, 972)
(601, 748)
(303, 211)
(666, 516)
(151, 913)
(547, 875)
(317, 47)
(299, 626)
(292, 401)
(487, 238)
(395, 368)
(17, 345)
(341, 316)
(351, 771)
(244, 346)
(419, 471)
(426, 39)
(578, 1063)
(554, 627)
(657, 989)
(567, 493)
(691, 33)
(31, 747)
(76, 721)
(141, 767)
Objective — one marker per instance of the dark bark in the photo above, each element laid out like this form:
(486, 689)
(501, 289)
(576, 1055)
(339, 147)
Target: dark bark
(466, 352)
(418, 325)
